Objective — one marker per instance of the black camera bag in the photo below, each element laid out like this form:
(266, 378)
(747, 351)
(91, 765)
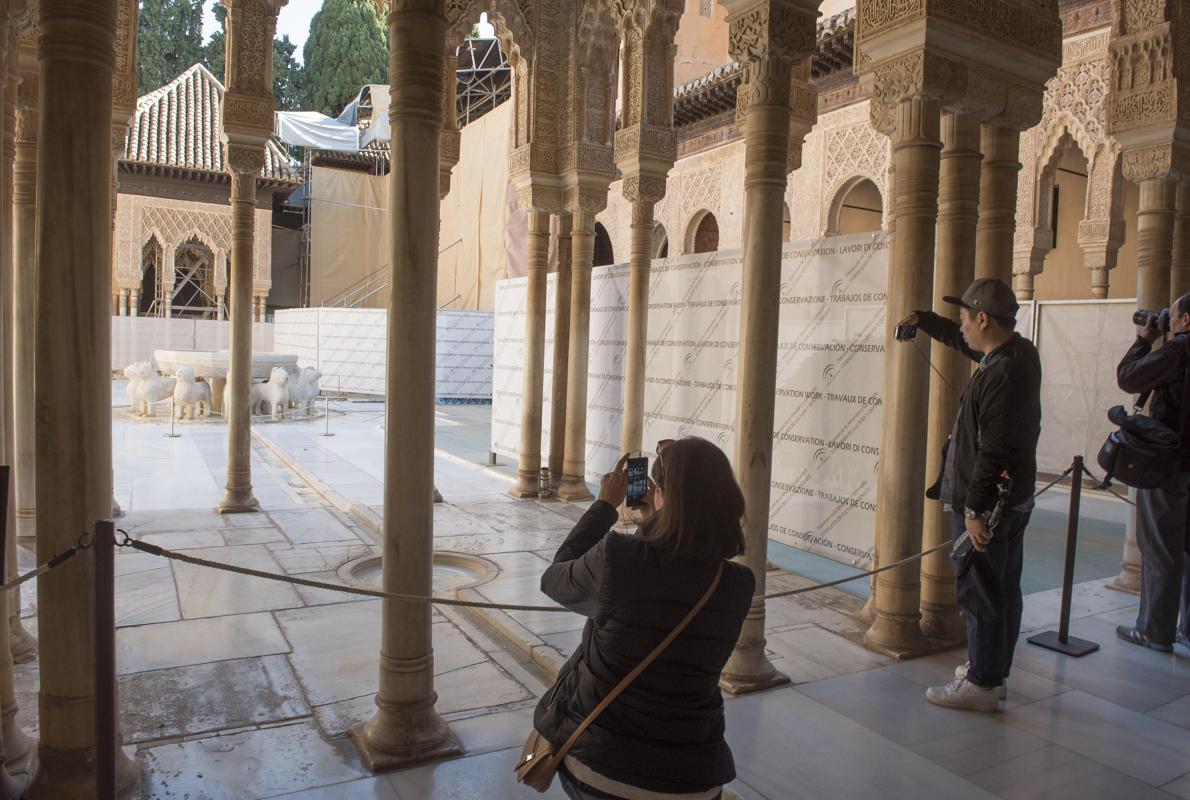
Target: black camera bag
(1144, 453)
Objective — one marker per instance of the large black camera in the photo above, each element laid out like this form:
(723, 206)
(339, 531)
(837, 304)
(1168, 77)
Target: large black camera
(1160, 319)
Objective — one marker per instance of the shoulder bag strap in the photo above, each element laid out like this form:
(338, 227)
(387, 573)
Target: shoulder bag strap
(639, 668)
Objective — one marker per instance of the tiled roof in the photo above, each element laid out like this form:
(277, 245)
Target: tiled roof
(177, 127)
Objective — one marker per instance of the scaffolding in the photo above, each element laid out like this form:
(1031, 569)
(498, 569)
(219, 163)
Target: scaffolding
(484, 79)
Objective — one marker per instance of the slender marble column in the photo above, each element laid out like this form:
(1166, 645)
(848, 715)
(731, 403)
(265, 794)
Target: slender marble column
(954, 269)
(916, 146)
(574, 463)
(406, 727)
(1179, 274)
(997, 203)
(134, 303)
(25, 307)
(73, 425)
(239, 496)
(766, 154)
(561, 352)
(636, 334)
(1154, 255)
(534, 360)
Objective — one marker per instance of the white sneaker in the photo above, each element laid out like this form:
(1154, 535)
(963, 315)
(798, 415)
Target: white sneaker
(961, 693)
(1001, 691)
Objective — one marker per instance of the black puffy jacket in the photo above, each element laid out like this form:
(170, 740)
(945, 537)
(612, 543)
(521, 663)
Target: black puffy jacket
(1162, 372)
(999, 419)
(665, 732)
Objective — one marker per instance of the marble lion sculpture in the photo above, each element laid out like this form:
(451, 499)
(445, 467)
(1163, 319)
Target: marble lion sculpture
(191, 398)
(253, 398)
(274, 394)
(304, 389)
(146, 388)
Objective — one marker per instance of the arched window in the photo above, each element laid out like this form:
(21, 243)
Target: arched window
(857, 208)
(660, 248)
(194, 280)
(603, 247)
(150, 275)
(703, 233)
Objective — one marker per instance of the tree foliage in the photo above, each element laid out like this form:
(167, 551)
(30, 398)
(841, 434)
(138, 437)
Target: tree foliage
(169, 41)
(347, 48)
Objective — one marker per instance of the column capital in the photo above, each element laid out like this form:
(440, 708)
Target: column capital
(244, 158)
(758, 30)
(248, 102)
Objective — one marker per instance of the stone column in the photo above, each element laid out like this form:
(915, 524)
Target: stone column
(997, 203)
(134, 303)
(25, 302)
(916, 146)
(1179, 274)
(529, 463)
(561, 352)
(1154, 242)
(219, 306)
(246, 162)
(954, 269)
(574, 463)
(637, 331)
(73, 245)
(406, 727)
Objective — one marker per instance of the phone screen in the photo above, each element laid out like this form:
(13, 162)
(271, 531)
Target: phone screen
(637, 472)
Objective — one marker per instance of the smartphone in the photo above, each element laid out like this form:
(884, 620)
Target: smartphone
(903, 333)
(637, 472)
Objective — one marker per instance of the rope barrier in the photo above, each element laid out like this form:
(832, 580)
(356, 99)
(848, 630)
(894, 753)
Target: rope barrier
(84, 543)
(1107, 485)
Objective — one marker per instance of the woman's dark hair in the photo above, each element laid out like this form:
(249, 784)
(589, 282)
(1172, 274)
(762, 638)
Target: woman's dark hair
(704, 507)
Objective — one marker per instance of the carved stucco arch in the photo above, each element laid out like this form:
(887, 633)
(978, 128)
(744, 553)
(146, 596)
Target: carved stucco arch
(838, 193)
(692, 226)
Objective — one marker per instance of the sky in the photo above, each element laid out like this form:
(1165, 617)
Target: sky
(293, 21)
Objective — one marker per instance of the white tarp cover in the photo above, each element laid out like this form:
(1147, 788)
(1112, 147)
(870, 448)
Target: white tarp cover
(829, 377)
(312, 129)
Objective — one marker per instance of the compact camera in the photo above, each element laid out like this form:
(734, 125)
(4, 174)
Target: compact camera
(1160, 318)
(904, 333)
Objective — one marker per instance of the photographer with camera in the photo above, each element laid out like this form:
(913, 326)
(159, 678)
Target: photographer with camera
(1161, 513)
(989, 468)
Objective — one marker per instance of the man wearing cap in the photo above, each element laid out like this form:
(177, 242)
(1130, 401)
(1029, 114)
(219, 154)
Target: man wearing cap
(989, 465)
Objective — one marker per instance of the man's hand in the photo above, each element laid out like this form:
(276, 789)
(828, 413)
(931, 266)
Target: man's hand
(909, 320)
(613, 487)
(1149, 332)
(980, 535)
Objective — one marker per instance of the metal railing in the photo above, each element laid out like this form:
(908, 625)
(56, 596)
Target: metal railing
(368, 286)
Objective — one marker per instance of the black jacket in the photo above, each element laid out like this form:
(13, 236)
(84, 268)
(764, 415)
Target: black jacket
(999, 419)
(665, 732)
(1163, 372)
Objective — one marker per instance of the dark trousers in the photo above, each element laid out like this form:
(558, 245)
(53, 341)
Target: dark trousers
(988, 586)
(577, 790)
(1161, 521)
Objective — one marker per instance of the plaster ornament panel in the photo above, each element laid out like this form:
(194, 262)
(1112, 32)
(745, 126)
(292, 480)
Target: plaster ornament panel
(701, 190)
(1136, 15)
(1148, 162)
(124, 77)
(851, 152)
(245, 111)
(251, 33)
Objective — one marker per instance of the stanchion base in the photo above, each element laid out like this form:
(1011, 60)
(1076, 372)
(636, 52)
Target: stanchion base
(1072, 647)
(326, 434)
(172, 435)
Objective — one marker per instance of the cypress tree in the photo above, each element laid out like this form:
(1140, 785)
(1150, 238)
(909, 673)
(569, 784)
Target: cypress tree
(347, 48)
(169, 41)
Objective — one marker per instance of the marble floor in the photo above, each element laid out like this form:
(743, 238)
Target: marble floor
(232, 687)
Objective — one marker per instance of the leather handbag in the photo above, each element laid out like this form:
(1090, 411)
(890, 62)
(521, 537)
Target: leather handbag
(539, 760)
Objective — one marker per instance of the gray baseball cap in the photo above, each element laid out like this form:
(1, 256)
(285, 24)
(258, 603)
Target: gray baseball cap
(989, 295)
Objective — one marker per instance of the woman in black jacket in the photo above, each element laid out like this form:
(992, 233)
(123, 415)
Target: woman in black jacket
(662, 738)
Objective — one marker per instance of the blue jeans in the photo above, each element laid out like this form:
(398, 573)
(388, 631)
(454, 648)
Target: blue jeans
(577, 790)
(988, 588)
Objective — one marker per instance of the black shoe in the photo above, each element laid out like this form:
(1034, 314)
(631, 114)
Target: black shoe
(1182, 640)
(1133, 636)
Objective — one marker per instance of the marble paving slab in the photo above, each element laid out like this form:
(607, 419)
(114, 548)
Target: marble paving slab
(207, 592)
(486, 776)
(179, 644)
(243, 766)
(313, 525)
(208, 697)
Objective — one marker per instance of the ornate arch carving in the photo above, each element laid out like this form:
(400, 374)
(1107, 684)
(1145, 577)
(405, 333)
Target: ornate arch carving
(838, 193)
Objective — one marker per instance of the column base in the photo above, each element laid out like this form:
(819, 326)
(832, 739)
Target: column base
(943, 625)
(573, 489)
(400, 735)
(749, 670)
(22, 643)
(12, 788)
(525, 486)
(238, 501)
(437, 495)
(898, 637)
(117, 512)
(71, 773)
(1127, 581)
(17, 745)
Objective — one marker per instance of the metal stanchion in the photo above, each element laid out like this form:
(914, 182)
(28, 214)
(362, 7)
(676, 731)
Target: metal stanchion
(1061, 640)
(326, 412)
(105, 660)
(171, 434)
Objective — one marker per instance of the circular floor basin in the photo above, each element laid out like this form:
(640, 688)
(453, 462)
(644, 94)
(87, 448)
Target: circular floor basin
(452, 571)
